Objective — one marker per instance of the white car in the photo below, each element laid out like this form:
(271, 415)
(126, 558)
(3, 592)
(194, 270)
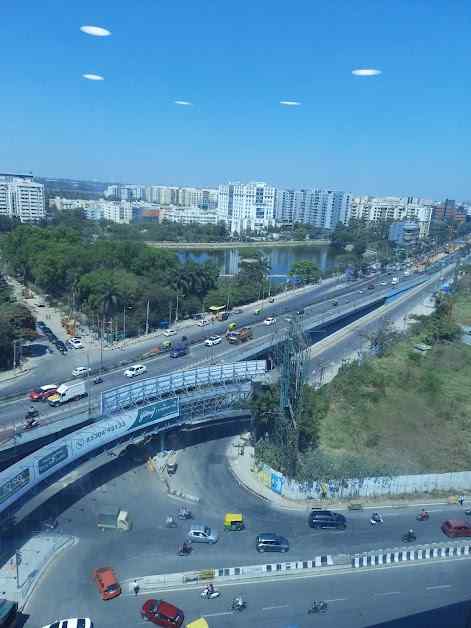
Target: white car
(76, 343)
(80, 622)
(212, 340)
(135, 369)
(81, 370)
(169, 332)
(204, 322)
(270, 320)
(384, 283)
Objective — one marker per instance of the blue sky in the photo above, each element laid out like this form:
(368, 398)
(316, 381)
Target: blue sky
(406, 131)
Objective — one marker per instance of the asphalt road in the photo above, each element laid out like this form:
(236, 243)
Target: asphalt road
(150, 548)
(57, 368)
(428, 595)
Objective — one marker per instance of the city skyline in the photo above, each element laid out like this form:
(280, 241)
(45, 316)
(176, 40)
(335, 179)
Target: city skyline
(295, 94)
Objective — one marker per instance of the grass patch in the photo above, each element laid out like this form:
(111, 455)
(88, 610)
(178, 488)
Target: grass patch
(408, 412)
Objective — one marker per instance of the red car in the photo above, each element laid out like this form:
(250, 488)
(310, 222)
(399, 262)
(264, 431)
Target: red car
(38, 394)
(456, 527)
(162, 613)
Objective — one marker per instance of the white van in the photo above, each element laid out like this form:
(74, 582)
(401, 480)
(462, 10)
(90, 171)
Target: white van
(135, 369)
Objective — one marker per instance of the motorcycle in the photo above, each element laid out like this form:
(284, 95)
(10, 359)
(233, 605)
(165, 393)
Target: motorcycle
(207, 595)
(30, 424)
(238, 604)
(376, 518)
(408, 538)
(98, 380)
(184, 550)
(318, 607)
(423, 516)
(31, 414)
(184, 513)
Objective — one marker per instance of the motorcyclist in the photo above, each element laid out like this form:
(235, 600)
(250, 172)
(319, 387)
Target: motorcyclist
(238, 602)
(186, 547)
(423, 514)
(376, 517)
(411, 534)
(210, 588)
(319, 605)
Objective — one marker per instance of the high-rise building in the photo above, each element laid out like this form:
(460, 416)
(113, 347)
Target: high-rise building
(21, 197)
(321, 208)
(247, 206)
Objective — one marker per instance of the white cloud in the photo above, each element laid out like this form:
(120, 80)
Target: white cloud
(95, 31)
(366, 72)
(183, 103)
(93, 77)
(290, 103)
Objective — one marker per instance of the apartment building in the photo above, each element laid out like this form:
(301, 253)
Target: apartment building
(21, 197)
(393, 208)
(247, 206)
(320, 208)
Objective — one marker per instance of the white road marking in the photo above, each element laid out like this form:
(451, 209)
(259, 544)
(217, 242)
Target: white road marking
(271, 608)
(439, 586)
(338, 599)
(389, 593)
(218, 614)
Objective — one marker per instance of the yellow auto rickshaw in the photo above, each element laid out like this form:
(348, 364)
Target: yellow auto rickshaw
(233, 521)
(198, 623)
(231, 326)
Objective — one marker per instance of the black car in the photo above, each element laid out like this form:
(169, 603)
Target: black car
(61, 346)
(326, 519)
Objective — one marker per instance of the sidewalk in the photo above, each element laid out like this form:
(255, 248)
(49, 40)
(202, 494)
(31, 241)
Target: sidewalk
(17, 582)
(242, 468)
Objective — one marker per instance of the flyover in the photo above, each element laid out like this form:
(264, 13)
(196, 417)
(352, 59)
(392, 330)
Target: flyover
(150, 406)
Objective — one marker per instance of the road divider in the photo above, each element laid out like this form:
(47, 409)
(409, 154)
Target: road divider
(434, 551)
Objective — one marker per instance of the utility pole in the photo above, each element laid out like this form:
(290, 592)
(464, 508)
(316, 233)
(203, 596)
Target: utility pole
(170, 314)
(147, 317)
(124, 323)
(176, 309)
(101, 342)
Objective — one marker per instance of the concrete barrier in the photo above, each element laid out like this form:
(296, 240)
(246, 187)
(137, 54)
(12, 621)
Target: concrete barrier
(402, 555)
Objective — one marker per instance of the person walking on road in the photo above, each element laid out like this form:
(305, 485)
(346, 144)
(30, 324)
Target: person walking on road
(461, 500)
(135, 587)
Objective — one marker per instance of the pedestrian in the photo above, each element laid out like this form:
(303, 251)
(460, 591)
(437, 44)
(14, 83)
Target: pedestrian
(461, 500)
(135, 587)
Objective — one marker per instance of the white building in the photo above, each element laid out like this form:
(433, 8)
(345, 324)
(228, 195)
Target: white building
(246, 207)
(393, 208)
(321, 208)
(21, 197)
(189, 215)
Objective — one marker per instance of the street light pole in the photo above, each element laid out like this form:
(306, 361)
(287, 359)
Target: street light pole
(124, 323)
(176, 310)
(147, 317)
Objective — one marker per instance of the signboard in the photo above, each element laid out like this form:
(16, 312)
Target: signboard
(165, 409)
(55, 457)
(15, 484)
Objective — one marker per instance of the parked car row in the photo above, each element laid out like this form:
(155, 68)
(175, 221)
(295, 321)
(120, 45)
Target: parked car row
(50, 335)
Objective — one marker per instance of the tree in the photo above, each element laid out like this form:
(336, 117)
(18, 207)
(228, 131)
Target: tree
(306, 271)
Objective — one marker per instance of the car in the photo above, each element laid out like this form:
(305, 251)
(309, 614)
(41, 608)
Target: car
(135, 369)
(81, 370)
(335, 302)
(38, 394)
(76, 343)
(212, 340)
(384, 283)
(202, 534)
(300, 312)
(169, 332)
(79, 622)
(371, 286)
(326, 519)
(162, 613)
(41, 304)
(203, 322)
(107, 583)
(456, 527)
(61, 346)
(270, 542)
(270, 320)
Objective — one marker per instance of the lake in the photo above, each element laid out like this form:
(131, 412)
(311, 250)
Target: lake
(281, 258)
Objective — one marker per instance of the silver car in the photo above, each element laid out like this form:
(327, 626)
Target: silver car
(202, 534)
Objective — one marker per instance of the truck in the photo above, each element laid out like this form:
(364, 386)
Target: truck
(163, 347)
(241, 335)
(179, 350)
(118, 520)
(68, 392)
